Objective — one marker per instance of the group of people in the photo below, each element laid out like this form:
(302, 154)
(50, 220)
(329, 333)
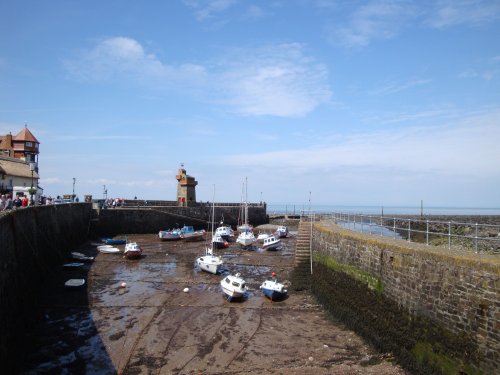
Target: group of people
(20, 201)
(7, 203)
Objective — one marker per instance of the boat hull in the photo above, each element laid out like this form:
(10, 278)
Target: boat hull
(210, 264)
(273, 290)
(233, 286)
(274, 295)
(133, 254)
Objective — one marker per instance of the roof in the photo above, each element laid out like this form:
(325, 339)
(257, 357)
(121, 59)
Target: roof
(25, 135)
(16, 167)
(6, 142)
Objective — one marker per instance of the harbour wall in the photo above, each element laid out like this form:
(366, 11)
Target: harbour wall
(33, 244)
(152, 219)
(439, 312)
(35, 241)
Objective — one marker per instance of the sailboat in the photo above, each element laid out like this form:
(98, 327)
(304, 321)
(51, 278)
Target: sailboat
(246, 236)
(210, 262)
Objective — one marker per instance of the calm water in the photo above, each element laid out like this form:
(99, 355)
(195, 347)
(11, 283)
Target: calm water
(295, 209)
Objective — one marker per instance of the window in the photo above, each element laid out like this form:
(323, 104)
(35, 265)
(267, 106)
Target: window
(29, 144)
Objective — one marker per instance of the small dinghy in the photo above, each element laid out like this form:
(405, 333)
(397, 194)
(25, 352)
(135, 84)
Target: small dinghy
(80, 256)
(114, 241)
(108, 249)
(73, 265)
(74, 283)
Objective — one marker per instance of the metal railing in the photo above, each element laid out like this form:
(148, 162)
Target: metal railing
(471, 236)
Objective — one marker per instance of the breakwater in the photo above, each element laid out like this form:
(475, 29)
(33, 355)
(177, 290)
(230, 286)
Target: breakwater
(438, 312)
(151, 219)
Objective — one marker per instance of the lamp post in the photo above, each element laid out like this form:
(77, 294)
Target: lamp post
(32, 169)
(73, 195)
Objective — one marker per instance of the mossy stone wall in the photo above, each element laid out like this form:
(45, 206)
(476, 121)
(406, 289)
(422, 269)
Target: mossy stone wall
(449, 303)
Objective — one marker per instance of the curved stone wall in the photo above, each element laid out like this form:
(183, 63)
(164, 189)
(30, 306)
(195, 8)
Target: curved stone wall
(33, 243)
(438, 310)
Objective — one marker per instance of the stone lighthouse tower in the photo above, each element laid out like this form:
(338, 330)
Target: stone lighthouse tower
(186, 192)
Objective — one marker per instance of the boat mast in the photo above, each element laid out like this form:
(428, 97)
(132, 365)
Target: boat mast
(246, 200)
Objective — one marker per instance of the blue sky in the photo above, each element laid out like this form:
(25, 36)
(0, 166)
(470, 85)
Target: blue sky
(358, 102)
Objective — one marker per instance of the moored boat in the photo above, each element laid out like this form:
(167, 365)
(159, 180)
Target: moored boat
(262, 236)
(170, 234)
(189, 234)
(274, 290)
(218, 242)
(246, 238)
(225, 231)
(108, 249)
(282, 231)
(132, 250)
(233, 286)
(114, 241)
(210, 262)
(271, 243)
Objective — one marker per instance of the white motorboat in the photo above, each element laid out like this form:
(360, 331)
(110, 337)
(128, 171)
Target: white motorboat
(281, 232)
(273, 289)
(262, 236)
(225, 231)
(132, 250)
(233, 286)
(271, 243)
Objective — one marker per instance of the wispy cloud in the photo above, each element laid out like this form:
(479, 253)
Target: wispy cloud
(487, 70)
(279, 80)
(448, 13)
(206, 9)
(373, 21)
(396, 87)
(419, 149)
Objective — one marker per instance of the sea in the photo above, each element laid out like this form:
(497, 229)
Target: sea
(296, 209)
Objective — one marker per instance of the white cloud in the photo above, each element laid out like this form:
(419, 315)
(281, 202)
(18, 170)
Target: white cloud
(375, 20)
(448, 13)
(119, 57)
(465, 148)
(278, 81)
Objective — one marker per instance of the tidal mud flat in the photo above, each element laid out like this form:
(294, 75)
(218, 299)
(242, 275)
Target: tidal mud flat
(134, 317)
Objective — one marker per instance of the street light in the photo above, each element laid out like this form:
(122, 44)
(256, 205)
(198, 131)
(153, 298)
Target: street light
(32, 169)
(73, 196)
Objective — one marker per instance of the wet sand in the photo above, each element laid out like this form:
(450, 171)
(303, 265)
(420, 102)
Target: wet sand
(151, 326)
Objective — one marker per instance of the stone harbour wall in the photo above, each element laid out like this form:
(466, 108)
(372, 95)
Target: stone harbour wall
(34, 242)
(108, 222)
(437, 310)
